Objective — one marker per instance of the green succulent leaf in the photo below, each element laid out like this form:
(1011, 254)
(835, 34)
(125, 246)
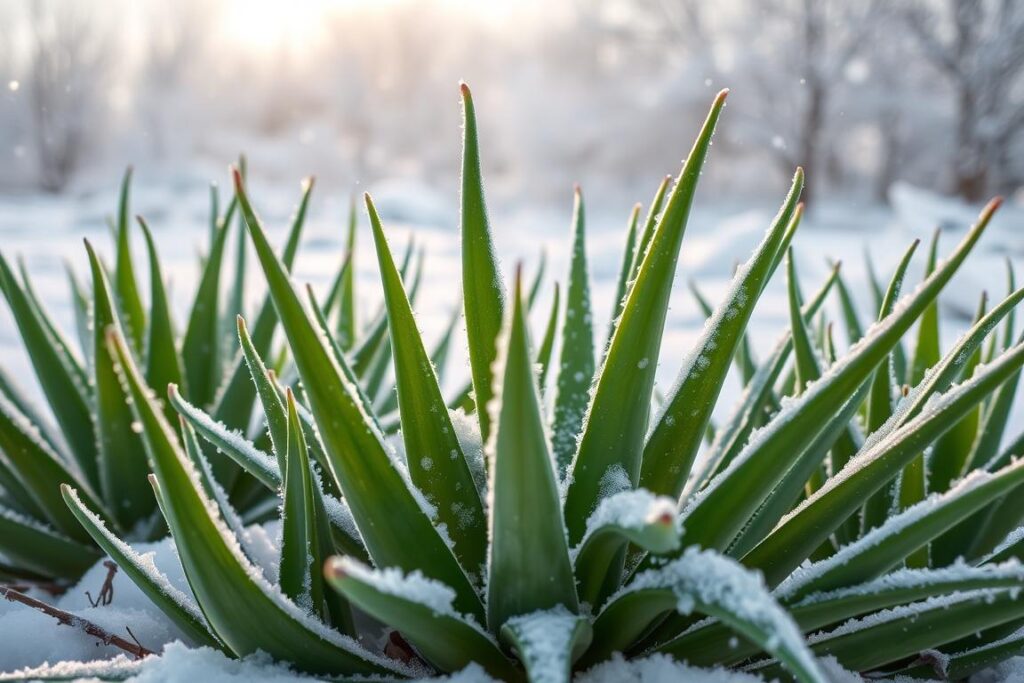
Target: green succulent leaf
(300, 575)
(531, 635)
(672, 446)
(126, 287)
(122, 463)
(616, 422)
(799, 533)
(38, 548)
(722, 510)
(576, 349)
(178, 607)
(526, 520)
(422, 610)
(548, 340)
(62, 386)
(437, 465)
(482, 293)
(397, 529)
(243, 609)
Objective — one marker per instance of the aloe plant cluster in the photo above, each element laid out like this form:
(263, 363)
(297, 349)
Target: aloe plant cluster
(557, 510)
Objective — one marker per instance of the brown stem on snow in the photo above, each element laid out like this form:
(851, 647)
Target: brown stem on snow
(69, 619)
(106, 595)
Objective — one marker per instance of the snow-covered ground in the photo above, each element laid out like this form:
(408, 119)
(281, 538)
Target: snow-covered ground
(47, 232)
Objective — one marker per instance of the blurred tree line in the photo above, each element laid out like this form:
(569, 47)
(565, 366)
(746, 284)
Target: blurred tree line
(862, 93)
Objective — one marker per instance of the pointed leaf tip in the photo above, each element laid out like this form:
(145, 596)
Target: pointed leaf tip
(464, 87)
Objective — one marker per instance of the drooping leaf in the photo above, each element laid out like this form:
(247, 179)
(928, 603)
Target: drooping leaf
(422, 610)
(178, 607)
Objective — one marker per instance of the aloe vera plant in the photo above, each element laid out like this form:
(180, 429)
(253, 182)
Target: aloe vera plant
(553, 513)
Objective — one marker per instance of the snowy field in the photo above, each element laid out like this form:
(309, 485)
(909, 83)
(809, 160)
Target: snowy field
(48, 231)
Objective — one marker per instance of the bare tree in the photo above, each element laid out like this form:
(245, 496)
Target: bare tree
(176, 35)
(67, 63)
(978, 46)
(797, 57)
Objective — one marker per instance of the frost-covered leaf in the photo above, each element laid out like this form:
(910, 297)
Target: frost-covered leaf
(526, 520)
(421, 609)
(616, 422)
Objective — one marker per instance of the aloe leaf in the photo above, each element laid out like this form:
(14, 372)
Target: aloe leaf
(40, 549)
(125, 285)
(729, 500)
(884, 638)
(713, 643)
(886, 546)
(235, 401)
(625, 270)
(744, 358)
(650, 226)
(880, 402)
(178, 607)
(422, 610)
(397, 529)
(80, 306)
(525, 506)
(300, 576)
(274, 411)
(635, 517)
(376, 333)
(948, 457)
(38, 470)
(237, 600)
(163, 365)
(576, 349)
(671, 449)
(265, 469)
(200, 348)
(57, 337)
(547, 342)
(532, 636)
(437, 465)
(706, 582)
(14, 393)
(927, 354)
(64, 393)
(538, 279)
(758, 394)
(122, 464)
(339, 355)
(347, 320)
(854, 328)
(807, 526)
(616, 422)
(960, 665)
(482, 293)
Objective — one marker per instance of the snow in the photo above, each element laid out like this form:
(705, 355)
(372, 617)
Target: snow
(545, 639)
(659, 669)
(706, 577)
(632, 509)
(893, 526)
(414, 586)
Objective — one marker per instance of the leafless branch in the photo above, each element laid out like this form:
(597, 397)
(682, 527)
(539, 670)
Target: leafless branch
(68, 619)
